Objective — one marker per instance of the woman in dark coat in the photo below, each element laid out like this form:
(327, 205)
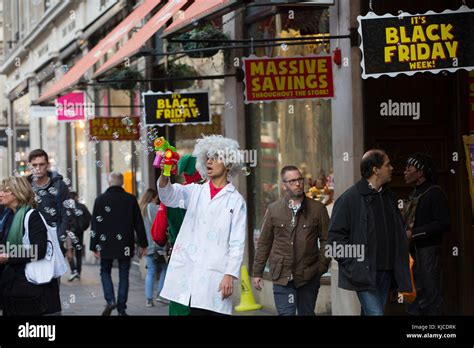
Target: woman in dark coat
(20, 297)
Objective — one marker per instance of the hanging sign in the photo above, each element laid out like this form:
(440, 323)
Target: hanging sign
(169, 109)
(268, 79)
(72, 107)
(42, 111)
(407, 43)
(114, 128)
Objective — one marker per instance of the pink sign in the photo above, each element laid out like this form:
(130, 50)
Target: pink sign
(70, 107)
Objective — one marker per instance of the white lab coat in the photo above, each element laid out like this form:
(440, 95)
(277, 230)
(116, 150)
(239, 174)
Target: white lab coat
(210, 244)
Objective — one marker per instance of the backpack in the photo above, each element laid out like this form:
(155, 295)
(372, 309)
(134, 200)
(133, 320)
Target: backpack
(82, 222)
(160, 226)
(410, 205)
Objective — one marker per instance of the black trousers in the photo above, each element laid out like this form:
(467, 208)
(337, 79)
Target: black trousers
(76, 262)
(427, 276)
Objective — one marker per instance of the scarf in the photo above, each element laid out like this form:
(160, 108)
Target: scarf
(15, 235)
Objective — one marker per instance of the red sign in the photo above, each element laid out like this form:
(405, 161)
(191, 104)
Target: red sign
(269, 79)
(114, 128)
(71, 107)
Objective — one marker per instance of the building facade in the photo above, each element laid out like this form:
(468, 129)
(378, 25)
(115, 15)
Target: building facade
(325, 138)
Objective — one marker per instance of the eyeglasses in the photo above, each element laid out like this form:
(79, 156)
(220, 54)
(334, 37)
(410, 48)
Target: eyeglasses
(294, 181)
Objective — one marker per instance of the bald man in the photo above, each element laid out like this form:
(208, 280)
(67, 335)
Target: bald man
(367, 236)
(115, 220)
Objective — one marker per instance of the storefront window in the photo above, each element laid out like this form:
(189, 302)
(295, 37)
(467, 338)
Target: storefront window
(22, 134)
(51, 141)
(116, 155)
(290, 132)
(5, 133)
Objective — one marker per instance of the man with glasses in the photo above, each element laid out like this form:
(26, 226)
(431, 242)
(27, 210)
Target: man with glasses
(291, 230)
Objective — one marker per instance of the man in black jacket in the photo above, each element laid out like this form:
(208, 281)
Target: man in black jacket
(365, 218)
(82, 221)
(115, 217)
(52, 194)
(429, 221)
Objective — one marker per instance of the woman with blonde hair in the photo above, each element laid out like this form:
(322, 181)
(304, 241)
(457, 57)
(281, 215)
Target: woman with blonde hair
(20, 297)
(149, 208)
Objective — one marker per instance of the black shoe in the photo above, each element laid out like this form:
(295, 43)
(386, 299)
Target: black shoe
(108, 309)
(123, 314)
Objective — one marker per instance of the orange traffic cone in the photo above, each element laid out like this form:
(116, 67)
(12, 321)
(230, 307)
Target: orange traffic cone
(247, 301)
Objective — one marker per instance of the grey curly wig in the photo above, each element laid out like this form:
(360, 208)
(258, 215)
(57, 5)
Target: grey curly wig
(224, 149)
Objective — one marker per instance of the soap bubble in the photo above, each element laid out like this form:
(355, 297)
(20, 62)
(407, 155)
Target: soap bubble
(69, 203)
(246, 171)
(99, 218)
(107, 209)
(284, 47)
(99, 164)
(9, 131)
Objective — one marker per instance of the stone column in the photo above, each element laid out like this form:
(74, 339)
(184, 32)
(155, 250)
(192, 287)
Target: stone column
(234, 111)
(347, 129)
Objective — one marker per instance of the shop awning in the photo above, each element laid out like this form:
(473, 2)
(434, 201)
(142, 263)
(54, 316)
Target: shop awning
(79, 69)
(143, 35)
(200, 10)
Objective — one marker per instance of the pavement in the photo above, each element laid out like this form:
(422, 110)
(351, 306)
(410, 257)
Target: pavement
(85, 296)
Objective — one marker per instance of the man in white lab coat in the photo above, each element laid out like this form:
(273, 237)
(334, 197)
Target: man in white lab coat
(209, 249)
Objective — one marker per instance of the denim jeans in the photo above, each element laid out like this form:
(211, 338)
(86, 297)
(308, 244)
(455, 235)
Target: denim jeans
(290, 300)
(161, 281)
(150, 276)
(108, 286)
(373, 301)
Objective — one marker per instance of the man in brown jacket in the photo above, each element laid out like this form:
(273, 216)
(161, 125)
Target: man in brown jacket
(289, 238)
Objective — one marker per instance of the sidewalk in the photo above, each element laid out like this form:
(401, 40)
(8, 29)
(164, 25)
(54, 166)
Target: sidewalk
(85, 296)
